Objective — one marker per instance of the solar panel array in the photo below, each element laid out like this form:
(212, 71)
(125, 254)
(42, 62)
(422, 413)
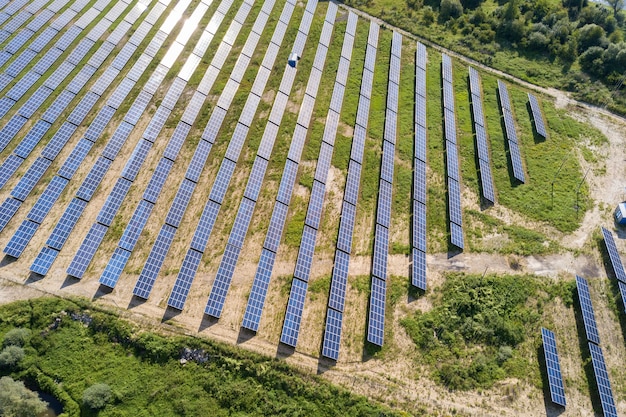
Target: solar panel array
(511, 133)
(593, 339)
(480, 130)
(178, 295)
(418, 244)
(376, 317)
(555, 379)
(540, 126)
(157, 255)
(65, 225)
(339, 278)
(616, 263)
(45, 202)
(452, 158)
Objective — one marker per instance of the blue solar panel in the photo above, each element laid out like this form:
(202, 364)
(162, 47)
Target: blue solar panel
(293, 316)
(75, 159)
(255, 181)
(305, 254)
(386, 168)
(99, 123)
(7, 211)
(177, 140)
(346, 227)
(11, 129)
(5, 103)
(66, 223)
(20, 238)
(80, 111)
(454, 202)
(503, 93)
(486, 181)
(97, 59)
(418, 269)
(383, 213)
(456, 235)
(30, 179)
(44, 38)
(351, 193)
(215, 303)
(452, 160)
(17, 67)
(184, 279)
(420, 111)
(156, 124)
(419, 181)
(80, 51)
(481, 142)
(242, 222)
(287, 182)
(297, 143)
(316, 204)
(44, 260)
(220, 186)
(509, 125)
(616, 261)
(114, 268)
(516, 161)
(339, 282)
(174, 93)
(136, 160)
(376, 321)
(194, 171)
(9, 167)
(138, 107)
(118, 139)
(381, 251)
(555, 379)
(154, 263)
(419, 226)
(93, 179)
(446, 68)
(537, 116)
(602, 381)
(213, 126)
(332, 334)
(205, 226)
(256, 301)
(135, 225)
(236, 142)
(622, 290)
(53, 112)
(80, 80)
(58, 141)
(35, 101)
(114, 201)
(179, 205)
(87, 250)
(589, 319)
(449, 125)
(47, 199)
(32, 138)
(275, 230)
(267, 142)
(370, 58)
(159, 176)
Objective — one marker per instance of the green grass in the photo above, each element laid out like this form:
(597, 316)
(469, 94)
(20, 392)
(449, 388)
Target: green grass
(145, 374)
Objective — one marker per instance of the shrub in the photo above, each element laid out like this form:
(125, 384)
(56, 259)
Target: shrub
(11, 356)
(16, 337)
(97, 396)
(450, 9)
(18, 401)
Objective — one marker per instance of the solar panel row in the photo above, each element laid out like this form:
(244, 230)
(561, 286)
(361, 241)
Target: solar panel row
(511, 133)
(616, 263)
(555, 379)
(540, 126)
(602, 381)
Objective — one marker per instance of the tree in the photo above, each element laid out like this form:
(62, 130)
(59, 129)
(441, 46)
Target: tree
(16, 337)
(616, 5)
(18, 401)
(11, 356)
(97, 396)
(450, 9)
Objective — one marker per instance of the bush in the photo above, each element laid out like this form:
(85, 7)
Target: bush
(16, 337)
(450, 9)
(97, 396)
(11, 356)
(18, 401)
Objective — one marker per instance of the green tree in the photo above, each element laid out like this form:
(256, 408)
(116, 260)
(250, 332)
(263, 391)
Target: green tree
(590, 35)
(616, 5)
(11, 356)
(18, 401)
(16, 337)
(450, 9)
(97, 396)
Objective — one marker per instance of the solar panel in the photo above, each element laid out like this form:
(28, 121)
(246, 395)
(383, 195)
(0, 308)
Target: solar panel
(255, 181)
(486, 181)
(96, 128)
(256, 301)
(622, 290)
(73, 161)
(477, 108)
(66, 223)
(81, 79)
(392, 101)
(316, 204)
(602, 381)
(346, 227)
(179, 205)
(68, 37)
(185, 277)
(278, 109)
(454, 204)
(138, 107)
(193, 108)
(154, 263)
(452, 161)
(7, 210)
(474, 82)
(139, 67)
(293, 315)
(217, 297)
(87, 250)
(381, 251)
(509, 125)
(47, 61)
(135, 225)
(214, 124)
(419, 181)
(420, 111)
(198, 161)
(589, 320)
(159, 176)
(44, 260)
(236, 142)
(555, 380)
(44, 38)
(419, 225)
(481, 142)
(332, 334)
(418, 269)
(174, 93)
(275, 230)
(323, 162)
(156, 124)
(53, 112)
(17, 66)
(80, 111)
(305, 253)
(503, 93)
(339, 282)
(287, 182)
(372, 37)
(450, 126)
(446, 68)
(114, 201)
(367, 81)
(30, 179)
(358, 144)
(8, 133)
(383, 214)
(456, 235)
(516, 161)
(80, 51)
(114, 268)
(376, 321)
(121, 92)
(47, 199)
(20, 238)
(537, 116)
(205, 226)
(9, 167)
(351, 193)
(35, 101)
(616, 261)
(118, 139)
(136, 160)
